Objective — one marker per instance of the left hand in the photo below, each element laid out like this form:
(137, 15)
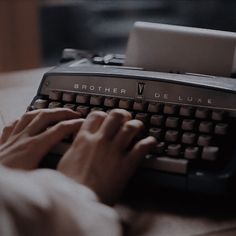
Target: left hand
(26, 141)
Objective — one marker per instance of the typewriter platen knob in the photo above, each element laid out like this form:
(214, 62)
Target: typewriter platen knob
(69, 54)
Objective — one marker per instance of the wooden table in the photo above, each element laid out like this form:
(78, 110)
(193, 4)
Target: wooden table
(144, 212)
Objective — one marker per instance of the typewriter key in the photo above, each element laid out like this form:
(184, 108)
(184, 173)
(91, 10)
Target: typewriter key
(139, 106)
(188, 138)
(155, 132)
(191, 152)
(70, 106)
(84, 110)
(170, 109)
(188, 124)
(96, 100)
(142, 117)
(156, 120)
(40, 104)
(154, 107)
(159, 148)
(172, 122)
(125, 104)
(68, 97)
(210, 153)
(205, 127)
(110, 102)
(174, 150)
(221, 128)
(186, 111)
(55, 95)
(82, 99)
(204, 140)
(171, 135)
(201, 113)
(217, 115)
(54, 104)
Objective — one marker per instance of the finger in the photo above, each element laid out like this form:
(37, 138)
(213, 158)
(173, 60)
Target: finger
(7, 131)
(114, 122)
(48, 117)
(127, 133)
(25, 120)
(52, 136)
(94, 121)
(142, 148)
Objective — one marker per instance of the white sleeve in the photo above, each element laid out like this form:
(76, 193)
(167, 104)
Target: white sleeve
(45, 202)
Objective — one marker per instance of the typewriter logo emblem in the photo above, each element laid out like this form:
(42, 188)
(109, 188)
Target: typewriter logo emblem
(140, 88)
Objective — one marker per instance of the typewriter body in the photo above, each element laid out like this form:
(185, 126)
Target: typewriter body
(192, 116)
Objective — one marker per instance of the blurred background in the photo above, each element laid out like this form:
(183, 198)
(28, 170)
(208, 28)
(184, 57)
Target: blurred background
(34, 32)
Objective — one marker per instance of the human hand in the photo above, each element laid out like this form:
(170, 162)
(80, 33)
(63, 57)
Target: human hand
(102, 156)
(26, 141)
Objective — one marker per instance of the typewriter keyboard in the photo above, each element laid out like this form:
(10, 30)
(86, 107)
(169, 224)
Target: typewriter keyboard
(189, 137)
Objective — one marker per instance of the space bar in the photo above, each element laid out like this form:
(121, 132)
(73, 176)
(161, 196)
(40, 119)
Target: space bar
(167, 164)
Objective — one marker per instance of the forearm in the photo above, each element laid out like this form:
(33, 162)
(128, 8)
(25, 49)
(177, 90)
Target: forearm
(44, 202)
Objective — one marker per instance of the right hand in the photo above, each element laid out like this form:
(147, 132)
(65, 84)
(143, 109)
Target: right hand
(103, 156)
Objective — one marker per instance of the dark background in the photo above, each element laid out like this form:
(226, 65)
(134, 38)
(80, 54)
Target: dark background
(103, 25)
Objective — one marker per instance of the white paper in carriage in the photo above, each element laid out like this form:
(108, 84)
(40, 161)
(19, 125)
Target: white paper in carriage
(179, 49)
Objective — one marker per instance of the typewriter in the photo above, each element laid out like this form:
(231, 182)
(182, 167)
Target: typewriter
(190, 107)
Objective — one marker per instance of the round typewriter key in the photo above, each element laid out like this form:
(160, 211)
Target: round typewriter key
(210, 153)
(188, 124)
(40, 104)
(172, 122)
(155, 132)
(171, 135)
(188, 138)
(54, 104)
(201, 113)
(144, 117)
(221, 129)
(139, 106)
(82, 99)
(191, 152)
(170, 109)
(204, 140)
(174, 150)
(125, 104)
(205, 127)
(154, 107)
(156, 120)
(55, 95)
(186, 111)
(68, 97)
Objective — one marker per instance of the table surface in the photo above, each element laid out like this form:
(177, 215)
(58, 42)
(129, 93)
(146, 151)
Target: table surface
(144, 212)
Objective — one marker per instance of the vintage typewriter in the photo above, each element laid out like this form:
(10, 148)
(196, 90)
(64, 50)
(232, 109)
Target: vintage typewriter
(179, 82)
